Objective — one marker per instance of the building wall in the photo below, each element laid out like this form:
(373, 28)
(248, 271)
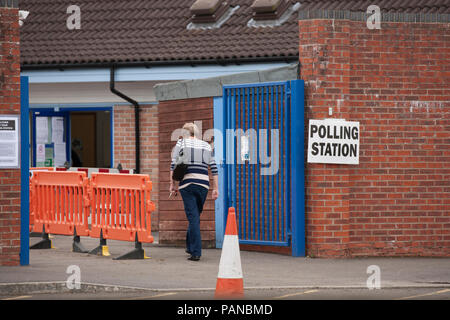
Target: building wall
(395, 81)
(173, 223)
(124, 146)
(9, 104)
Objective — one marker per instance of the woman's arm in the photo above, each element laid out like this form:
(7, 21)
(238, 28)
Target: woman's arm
(175, 151)
(172, 186)
(215, 172)
(215, 191)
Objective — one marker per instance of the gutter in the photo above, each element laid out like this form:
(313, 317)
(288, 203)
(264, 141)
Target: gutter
(136, 116)
(149, 64)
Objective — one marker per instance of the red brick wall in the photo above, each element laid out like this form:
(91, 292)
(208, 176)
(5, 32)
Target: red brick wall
(395, 81)
(124, 146)
(173, 223)
(9, 104)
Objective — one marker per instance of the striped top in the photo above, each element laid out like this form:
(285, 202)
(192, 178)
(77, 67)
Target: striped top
(198, 155)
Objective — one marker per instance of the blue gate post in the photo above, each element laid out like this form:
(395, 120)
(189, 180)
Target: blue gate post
(297, 169)
(24, 173)
(219, 146)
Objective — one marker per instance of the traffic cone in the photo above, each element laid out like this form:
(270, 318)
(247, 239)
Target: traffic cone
(230, 283)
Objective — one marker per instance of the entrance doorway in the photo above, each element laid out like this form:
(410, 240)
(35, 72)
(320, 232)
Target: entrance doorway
(81, 137)
(84, 139)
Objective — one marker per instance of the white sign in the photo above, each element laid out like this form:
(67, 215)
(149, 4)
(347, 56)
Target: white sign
(40, 152)
(9, 141)
(333, 141)
(42, 130)
(245, 149)
(57, 129)
(60, 154)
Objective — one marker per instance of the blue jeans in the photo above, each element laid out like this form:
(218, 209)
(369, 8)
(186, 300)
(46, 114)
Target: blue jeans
(194, 197)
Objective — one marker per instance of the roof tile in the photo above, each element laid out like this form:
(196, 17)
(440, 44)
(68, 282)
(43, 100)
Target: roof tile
(155, 30)
(135, 30)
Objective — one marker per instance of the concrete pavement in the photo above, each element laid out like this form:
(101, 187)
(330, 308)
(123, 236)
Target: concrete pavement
(168, 269)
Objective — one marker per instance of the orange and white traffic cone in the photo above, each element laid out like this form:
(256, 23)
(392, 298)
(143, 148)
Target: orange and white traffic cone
(230, 283)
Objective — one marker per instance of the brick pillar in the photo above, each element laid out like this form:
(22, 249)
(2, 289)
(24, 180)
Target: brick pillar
(325, 68)
(9, 104)
(395, 82)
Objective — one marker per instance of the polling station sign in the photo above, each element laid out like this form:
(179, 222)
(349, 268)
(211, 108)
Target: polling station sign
(333, 141)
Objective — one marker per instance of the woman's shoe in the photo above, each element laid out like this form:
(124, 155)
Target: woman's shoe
(194, 258)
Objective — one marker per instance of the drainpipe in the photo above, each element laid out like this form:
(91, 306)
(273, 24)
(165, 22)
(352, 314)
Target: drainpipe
(136, 117)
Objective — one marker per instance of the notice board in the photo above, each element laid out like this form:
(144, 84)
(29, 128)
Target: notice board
(9, 141)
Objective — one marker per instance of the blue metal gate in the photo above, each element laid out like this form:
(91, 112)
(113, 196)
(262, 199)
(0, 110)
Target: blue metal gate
(264, 161)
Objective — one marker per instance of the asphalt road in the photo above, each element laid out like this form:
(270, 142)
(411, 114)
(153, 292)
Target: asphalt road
(434, 293)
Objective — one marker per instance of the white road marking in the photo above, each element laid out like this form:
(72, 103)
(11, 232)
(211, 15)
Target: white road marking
(17, 298)
(152, 297)
(424, 295)
(295, 294)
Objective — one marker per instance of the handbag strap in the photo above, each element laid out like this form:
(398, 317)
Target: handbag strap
(183, 146)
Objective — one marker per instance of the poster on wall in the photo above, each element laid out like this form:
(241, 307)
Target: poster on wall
(40, 154)
(57, 129)
(50, 141)
(60, 154)
(333, 141)
(49, 155)
(9, 141)
(41, 130)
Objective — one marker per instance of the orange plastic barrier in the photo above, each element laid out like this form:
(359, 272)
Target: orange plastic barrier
(118, 206)
(32, 203)
(121, 207)
(32, 196)
(60, 202)
(42, 168)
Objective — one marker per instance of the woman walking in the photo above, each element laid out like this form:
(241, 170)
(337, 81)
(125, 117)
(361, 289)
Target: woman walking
(197, 155)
